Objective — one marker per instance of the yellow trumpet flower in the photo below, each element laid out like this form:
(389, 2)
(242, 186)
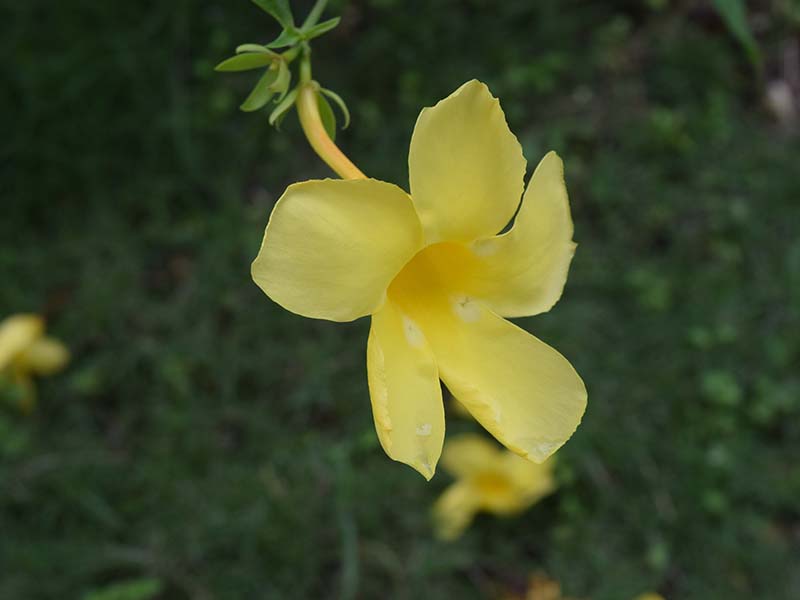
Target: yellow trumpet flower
(438, 280)
(25, 351)
(487, 479)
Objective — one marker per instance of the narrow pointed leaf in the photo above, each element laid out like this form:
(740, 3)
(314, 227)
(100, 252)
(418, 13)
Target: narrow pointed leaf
(315, 14)
(283, 107)
(340, 103)
(279, 9)
(734, 15)
(327, 115)
(244, 62)
(286, 38)
(255, 48)
(282, 81)
(319, 29)
(280, 119)
(261, 92)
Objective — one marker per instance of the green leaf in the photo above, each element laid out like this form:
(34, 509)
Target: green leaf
(282, 81)
(279, 120)
(283, 108)
(255, 48)
(314, 14)
(261, 93)
(279, 9)
(318, 30)
(144, 588)
(286, 38)
(734, 14)
(244, 62)
(327, 115)
(340, 103)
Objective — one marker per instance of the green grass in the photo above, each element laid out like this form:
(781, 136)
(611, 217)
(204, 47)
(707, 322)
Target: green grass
(206, 438)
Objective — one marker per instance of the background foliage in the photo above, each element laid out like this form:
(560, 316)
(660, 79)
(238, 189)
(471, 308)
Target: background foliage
(206, 444)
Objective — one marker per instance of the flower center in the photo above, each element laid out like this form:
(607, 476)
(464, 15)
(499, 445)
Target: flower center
(436, 275)
(493, 486)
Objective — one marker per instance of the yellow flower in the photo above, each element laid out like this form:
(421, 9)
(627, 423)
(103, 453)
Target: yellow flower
(437, 280)
(25, 351)
(541, 587)
(488, 479)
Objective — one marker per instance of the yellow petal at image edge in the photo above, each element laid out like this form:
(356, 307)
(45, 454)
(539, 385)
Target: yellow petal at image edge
(405, 392)
(520, 389)
(523, 272)
(17, 332)
(332, 247)
(44, 356)
(466, 168)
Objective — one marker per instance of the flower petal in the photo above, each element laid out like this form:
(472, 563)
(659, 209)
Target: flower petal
(523, 272)
(532, 481)
(332, 247)
(466, 168)
(44, 356)
(468, 454)
(17, 332)
(520, 389)
(404, 387)
(454, 510)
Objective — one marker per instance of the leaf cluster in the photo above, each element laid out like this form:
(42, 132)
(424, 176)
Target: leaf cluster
(275, 82)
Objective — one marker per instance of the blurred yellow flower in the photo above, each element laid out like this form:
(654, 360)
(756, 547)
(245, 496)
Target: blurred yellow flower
(437, 279)
(541, 587)
(25, 351)
(487, 479)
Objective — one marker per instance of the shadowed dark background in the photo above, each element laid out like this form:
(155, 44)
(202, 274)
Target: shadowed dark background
(205, 439)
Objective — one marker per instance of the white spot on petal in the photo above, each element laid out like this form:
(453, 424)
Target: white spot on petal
(466, 308)
(485, 248)
(413, 333)
(424, 429)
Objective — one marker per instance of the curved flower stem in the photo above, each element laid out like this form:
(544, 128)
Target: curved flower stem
(310, 120)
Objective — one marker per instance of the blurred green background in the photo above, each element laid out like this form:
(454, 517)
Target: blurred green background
(208, 444)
